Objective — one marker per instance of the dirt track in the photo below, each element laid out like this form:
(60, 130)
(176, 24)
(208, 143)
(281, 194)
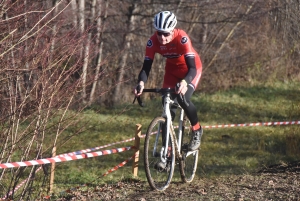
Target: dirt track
(278, 182)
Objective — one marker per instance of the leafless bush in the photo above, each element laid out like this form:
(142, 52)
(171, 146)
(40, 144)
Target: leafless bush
(41, 84)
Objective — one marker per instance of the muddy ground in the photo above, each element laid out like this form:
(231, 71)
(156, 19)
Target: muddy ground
(277, 182)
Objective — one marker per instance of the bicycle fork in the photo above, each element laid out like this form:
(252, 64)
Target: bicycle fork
(164, 150)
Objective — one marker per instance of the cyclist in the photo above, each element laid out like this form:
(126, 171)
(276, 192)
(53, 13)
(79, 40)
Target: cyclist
(183, 66)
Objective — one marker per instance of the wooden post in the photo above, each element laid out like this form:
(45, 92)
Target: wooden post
(135, 164)
(52, 171)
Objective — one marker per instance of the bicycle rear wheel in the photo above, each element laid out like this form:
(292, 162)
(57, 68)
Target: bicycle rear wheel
(189, 162)
(158, 178)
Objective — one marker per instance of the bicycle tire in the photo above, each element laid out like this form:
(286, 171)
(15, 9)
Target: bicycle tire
(158, 179)
(188, 163)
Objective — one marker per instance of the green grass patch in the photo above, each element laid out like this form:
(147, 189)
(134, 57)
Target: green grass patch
(236, 150)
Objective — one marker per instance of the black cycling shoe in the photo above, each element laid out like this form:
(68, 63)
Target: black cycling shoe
(196, 139)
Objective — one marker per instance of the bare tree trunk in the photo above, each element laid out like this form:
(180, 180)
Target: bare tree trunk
(128, 37)
(99, 43)
(74, 16)
(16, 84)
(27, 73)
(85, 48)
(54, 30)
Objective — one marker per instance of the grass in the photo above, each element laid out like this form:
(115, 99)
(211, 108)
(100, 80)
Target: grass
(237, 150)
(241, 150)
(224, 150)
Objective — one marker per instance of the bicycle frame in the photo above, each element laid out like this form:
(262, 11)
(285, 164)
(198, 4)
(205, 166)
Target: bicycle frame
(167, 114)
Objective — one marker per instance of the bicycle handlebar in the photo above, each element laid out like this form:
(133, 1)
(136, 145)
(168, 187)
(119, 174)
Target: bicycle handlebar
(157, 90)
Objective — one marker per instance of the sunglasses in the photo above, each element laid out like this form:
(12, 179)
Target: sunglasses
(162, 33)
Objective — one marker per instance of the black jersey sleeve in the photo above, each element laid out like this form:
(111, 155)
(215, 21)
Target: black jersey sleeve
(191, 64)
(144, 74)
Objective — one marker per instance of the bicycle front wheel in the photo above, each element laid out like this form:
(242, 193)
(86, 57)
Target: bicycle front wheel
(188, 163)
(159, 174)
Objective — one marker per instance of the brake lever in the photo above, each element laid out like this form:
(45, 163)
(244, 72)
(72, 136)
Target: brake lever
(138, 89)
(181, 96)
(184, 100)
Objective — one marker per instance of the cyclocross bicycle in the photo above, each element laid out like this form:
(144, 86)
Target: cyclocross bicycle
(166, 145)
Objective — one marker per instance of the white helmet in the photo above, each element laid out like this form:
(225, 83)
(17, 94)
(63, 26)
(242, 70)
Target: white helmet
(165, 21)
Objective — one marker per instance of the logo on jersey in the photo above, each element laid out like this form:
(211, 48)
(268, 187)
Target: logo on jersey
(149, 43)
(172, 55)
(184, 40)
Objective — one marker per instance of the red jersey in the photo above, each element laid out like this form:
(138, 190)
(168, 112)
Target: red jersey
(175, 52)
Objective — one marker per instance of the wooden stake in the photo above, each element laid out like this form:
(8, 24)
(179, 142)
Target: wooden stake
(135, 164)
(52, 171)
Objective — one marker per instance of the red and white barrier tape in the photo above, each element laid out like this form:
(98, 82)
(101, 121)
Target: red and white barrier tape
(254, 124)
(206, 127)
(76, 155)
(108, 172)
(63, 159)
(118, 166)
(93, 149)
(83, 153)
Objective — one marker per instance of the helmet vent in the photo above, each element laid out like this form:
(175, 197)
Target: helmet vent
(166, 20)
